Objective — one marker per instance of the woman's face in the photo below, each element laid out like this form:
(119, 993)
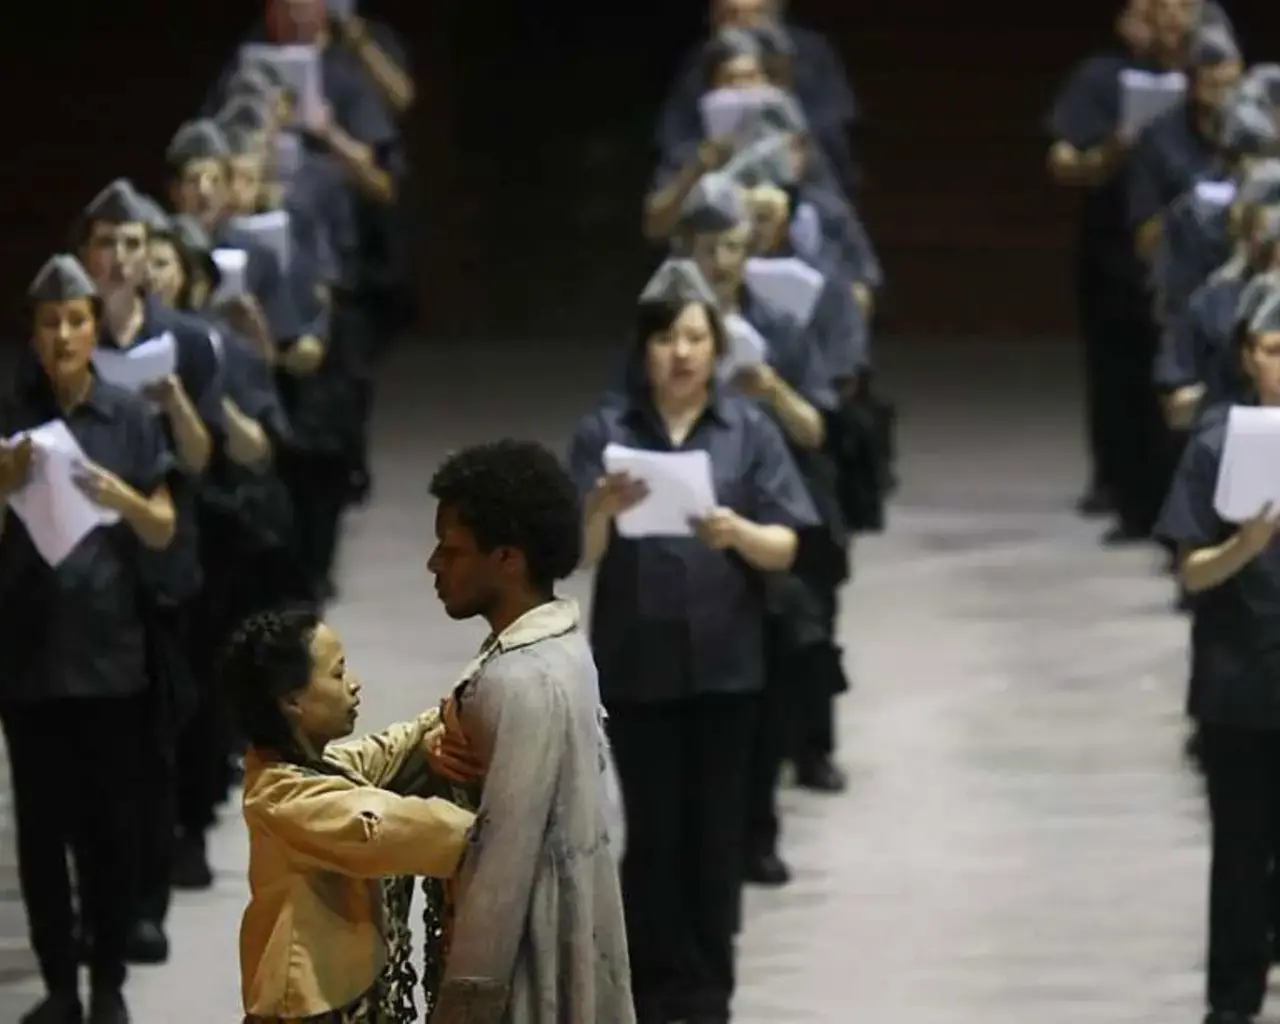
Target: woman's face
(201, 191)
(65, 334)
(325, 709)
(1262, 365)
(248, 172)
(741, 72)
(681, 360)
(165, 276)
(721, 257)
(770, 216)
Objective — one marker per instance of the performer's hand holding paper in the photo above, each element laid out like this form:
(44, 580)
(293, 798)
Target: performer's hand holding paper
(678, 485)
(1249, 475)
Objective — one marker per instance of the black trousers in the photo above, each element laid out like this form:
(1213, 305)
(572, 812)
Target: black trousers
(1103, 366)
(319, 487)
(1242, 776)
(682, 766)
(1139, 454)
(76, 768)
(797, 717)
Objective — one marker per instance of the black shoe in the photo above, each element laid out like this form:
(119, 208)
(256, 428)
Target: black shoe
(359, 486)
(1228, 1017)
(1096, 501)
(820, 775)
(767, 869)
(147, 944)
(55, 1008)
(191, 869)
(108, 1008)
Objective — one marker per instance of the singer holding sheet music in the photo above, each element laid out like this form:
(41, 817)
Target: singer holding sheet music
(1232, 569)
(74, 683)
(794, 57)
(113, 236)
(677, 630)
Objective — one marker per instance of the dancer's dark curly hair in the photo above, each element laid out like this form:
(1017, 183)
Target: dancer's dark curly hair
(516, 494)
(268, 657)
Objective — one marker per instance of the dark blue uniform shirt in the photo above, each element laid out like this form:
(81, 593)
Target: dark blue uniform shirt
(671, 618)
(1086, 114)
(265, 280)
(79, 630)
(1197, 347)
(175, 571)
(1170, 156)
(1235, 631)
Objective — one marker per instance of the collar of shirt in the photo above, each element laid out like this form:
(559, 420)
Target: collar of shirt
(36, 394)
(153, 323)
(642, 411)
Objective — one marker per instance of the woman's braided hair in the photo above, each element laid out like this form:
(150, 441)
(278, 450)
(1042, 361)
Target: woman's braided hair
(268, 657)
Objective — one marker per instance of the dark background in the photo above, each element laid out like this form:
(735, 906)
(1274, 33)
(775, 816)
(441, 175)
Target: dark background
(532, 132)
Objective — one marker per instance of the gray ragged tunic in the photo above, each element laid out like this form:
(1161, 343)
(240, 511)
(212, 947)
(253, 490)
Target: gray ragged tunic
(539, 935)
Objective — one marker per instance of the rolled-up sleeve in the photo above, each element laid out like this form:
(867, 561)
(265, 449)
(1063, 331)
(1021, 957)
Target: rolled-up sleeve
(331, 824)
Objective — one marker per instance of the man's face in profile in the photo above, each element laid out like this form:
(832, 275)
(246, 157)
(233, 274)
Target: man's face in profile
(466, 577)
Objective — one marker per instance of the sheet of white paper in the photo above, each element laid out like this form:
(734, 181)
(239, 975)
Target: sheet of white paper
(300, 67)
(56, 513)
(232, 265)
(1145, 95)
(789, 286)
(680, 490)
(271, 230)
(1249, 475)
(746, 347)
(288, 157)
(724, 110)
(1216, 193)
(139, 366)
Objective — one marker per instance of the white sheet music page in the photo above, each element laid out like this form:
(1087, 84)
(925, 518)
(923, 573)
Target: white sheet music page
(725, 110)
(270, 230)
(747, 347)
(789, 285)
(680, 490)
(299, 66)
(140, 366)
(57, 514)
(1249, 475)
(1145, 95)
(233, 265)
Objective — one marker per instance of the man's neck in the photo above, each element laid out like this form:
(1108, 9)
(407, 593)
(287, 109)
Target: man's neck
(512, 607)
(124, 313)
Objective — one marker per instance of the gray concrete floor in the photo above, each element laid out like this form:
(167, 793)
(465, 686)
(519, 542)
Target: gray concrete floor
(1020, 841)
